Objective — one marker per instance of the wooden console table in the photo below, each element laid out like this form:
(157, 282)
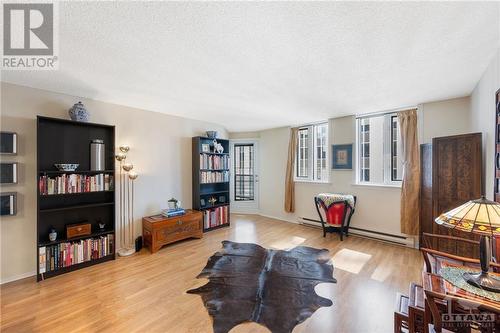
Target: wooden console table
(158, 230)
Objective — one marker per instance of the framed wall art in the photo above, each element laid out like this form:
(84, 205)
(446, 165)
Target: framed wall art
(342, 157)
(8, 173)
(8, 143)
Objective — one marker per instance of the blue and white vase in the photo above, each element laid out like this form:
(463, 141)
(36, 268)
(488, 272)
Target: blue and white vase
(78, 112)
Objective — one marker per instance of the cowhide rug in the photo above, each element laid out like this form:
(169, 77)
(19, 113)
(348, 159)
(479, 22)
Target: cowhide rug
(274, 288)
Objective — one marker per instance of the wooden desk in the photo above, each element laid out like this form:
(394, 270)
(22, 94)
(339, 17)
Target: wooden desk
(158, 230)
(438, 291)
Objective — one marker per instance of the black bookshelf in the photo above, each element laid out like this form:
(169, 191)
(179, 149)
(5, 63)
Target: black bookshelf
(66, 141)
(206, 189)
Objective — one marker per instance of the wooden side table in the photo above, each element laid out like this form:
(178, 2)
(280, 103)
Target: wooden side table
(158, 230)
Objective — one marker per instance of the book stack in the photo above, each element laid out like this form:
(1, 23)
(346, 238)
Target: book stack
(215, 217)
(54, 257)
(75, 183)
(207, 177)
(173, 212)
(214, 161)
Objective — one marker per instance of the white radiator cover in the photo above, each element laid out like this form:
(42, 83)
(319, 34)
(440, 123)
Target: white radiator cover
(407, 241)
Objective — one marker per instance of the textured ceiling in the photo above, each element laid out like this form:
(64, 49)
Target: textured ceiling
(257, 65)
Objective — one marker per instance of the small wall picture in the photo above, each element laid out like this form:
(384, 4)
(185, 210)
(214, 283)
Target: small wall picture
(205, 147)
(8, 143)
(8, 204)
(342, 157)
(8, 173)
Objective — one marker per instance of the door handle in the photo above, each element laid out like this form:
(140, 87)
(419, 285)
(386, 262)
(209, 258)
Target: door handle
(256, 178)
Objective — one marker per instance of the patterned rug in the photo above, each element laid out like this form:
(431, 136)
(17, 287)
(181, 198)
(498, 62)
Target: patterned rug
(274, 288)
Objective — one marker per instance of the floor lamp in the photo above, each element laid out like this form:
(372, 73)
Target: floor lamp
(126, 197)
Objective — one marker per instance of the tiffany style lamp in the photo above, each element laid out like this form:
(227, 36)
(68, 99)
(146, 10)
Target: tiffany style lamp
(481, 217)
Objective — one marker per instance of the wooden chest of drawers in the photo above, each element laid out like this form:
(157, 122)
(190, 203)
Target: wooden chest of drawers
(158, 230)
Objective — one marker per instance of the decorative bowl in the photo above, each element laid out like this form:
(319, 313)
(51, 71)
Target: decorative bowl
(212, 134)
(66, 166)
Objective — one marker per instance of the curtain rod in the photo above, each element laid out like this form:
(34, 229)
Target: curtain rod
(380, 113)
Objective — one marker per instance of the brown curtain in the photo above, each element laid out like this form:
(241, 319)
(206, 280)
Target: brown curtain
(410, 192)
(290, 167)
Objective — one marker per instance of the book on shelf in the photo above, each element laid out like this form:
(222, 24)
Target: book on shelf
(173, 212)
(207, 177)
(215, 217)
(75, 183)
(214, 161)
(65, 254)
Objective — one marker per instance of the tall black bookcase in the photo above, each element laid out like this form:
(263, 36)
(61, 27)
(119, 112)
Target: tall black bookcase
(66, 141)
(211, 172)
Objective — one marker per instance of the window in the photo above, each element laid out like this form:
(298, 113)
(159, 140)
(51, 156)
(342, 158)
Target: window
(379, 150)
(312, 153)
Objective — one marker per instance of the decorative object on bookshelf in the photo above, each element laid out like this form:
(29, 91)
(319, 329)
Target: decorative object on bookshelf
(205, 148)
(8, 143)
(218, 148)
(97, 159)
(52, 234)
(126, 211)
(67, 166)
(211, 181)
(8, 173)
(101, 224)
(8, 204)
(212, 134)
(78, 112)
(78, 230)
(82, 195)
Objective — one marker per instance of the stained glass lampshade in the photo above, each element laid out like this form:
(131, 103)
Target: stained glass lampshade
(480, 217)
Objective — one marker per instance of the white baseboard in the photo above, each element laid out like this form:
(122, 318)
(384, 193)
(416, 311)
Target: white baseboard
(281, 218)
(17, 277)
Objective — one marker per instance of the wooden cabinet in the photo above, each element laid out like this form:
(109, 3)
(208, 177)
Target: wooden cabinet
(158, 230)
(451, 175)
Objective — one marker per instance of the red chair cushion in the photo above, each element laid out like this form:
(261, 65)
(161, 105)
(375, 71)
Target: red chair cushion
(336, 213)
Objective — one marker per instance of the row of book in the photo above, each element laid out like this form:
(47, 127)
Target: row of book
(54, 257)
(173, 212)
(75, 183)
(214, 176)
(214, 161)
(215, 217)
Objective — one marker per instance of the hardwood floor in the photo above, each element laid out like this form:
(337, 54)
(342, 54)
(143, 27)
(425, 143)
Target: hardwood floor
(147, 293)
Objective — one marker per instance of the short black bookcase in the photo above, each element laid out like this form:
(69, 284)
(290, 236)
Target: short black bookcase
(211, 174)
(66, 141)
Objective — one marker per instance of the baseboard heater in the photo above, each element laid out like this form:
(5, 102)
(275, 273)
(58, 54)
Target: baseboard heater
(396, 239)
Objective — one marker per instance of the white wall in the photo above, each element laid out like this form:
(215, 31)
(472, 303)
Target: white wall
(378, 207)
(160, 151)
(482, 117)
